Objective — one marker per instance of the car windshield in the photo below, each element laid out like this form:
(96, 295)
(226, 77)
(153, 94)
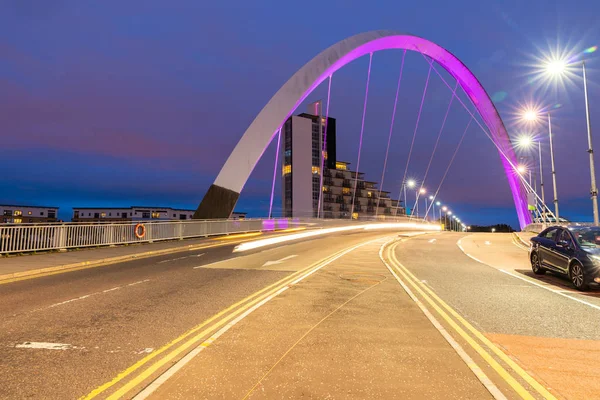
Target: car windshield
(587, 237)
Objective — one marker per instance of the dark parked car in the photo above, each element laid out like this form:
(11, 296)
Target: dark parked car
(573, 251)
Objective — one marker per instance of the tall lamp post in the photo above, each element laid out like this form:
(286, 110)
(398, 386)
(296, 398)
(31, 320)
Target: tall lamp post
(558, 68)
(527, 142)
(411, 184)
(421, 191)
(431, 198)
(533, 116)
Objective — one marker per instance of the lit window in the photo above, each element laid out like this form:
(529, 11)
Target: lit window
(325, 189)
(346, 190)
(155, 214)
(316, 170)
(287, 169)
(28, 212)
(17, 220)
(369, 194)
(103, 215)
(18, 212)
(354, 215)
(339, 165)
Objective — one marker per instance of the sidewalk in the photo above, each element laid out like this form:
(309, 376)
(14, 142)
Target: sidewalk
(26, 265)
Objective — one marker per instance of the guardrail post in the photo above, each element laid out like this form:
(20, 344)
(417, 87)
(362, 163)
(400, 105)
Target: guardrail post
(180, 230)
(62, 238)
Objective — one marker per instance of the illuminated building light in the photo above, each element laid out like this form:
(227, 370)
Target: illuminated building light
(287, 169)
(340, 165)
(315, 170)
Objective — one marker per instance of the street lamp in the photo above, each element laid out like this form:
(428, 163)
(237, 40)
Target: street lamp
(527, 142)
(421, 191)
(431, 198)
(557, 68)
(531, 115)
(493, 230)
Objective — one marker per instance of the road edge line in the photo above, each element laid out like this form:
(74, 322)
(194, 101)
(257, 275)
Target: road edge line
(471, 364)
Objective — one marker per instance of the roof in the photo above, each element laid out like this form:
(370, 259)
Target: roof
(22, 206)
(131, 207)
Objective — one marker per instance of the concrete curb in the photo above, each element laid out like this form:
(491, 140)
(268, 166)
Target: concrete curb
(523, 241)
(99, 262)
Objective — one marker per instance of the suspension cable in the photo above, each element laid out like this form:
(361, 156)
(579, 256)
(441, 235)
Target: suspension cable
(323, 150)
(500, 150)
(362, 128)
(436, 143)
(414, 135)
(390, 135)
(449, 165)
(274, 172)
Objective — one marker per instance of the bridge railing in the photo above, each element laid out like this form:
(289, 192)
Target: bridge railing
(24, 238)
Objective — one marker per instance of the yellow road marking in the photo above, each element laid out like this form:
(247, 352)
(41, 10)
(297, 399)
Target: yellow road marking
(135, 381)
(239, 236)
(414, 281)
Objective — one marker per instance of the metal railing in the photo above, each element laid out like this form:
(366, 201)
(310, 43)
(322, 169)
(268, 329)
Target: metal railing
(33, 237)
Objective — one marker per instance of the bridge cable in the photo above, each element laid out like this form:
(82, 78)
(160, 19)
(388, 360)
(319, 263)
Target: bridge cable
(324, 149)
(449, 165)
(403, 182)
(362, 128)
(436, 144)
(274, 173)
(500, 150)
(390, 135)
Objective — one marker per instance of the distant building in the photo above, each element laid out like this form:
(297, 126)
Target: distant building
(11, 214)
(135, 213)
(303, 137)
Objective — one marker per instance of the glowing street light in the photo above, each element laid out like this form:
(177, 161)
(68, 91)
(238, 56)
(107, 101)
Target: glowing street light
(557, 68)
(411, 184)
(493, 230)
(527, 142)
(522, 169)
(531, 115)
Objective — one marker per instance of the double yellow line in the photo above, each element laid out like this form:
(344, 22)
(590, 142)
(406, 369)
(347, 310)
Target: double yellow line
(145, 368)
(466, 331)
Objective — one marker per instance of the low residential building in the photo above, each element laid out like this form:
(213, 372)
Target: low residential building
(12, 214)
(135, 213)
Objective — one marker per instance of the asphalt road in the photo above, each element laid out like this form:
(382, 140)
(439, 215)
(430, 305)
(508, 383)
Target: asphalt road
(442, 315)
(105, 319)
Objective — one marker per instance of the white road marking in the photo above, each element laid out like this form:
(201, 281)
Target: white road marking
(89, 295)
(181, 363)
(280, 261)
(179, 258)
(488, 242)
(146, 350)
(432, 240)
(215, 263)
(44, 345)
(558, 292)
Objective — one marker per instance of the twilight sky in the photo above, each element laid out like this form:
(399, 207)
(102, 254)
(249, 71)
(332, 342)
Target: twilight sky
(119, 103)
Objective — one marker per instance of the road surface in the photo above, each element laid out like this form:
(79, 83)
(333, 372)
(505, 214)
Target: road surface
(360, 315)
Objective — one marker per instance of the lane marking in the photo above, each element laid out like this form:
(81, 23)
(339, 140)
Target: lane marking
(44, 345)
(483, 378)
(180, 258)
(505, 358)
(558, 292)
(488, 242)
(214, 263)
(432, 240)
(221, 318)
(89, 295)
(280, 261)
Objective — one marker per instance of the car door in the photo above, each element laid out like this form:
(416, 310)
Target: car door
(565, 248)
(546, 247)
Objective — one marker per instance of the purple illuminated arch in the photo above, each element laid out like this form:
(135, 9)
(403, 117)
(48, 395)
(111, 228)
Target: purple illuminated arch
(223, 194)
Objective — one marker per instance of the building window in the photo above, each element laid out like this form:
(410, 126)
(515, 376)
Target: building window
(155, 214)
(369, 194)
(51, 214)
(8, 213)
(346, 190)
(342, 166)
(174, 215)
(42, 213)
(28, 212)
(325, 189)
(316, 170)
(17, 220)
(89, 214)
(287, 169)
(18, 213)
(103, 215)
(145, 214)
(30, 219)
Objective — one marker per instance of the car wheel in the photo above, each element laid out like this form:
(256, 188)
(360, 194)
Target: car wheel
(536, 265)
(577, 274)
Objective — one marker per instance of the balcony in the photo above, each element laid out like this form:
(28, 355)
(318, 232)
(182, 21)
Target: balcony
(359, 193)
(388, 211)
(340, 200)
(327, 173)
(346, 183)
(361, 185)
(327, 208)
(328, 199)
(344, 207)
(339, 175)
(371, 203)
(371, 210)
(328, 182)
(357, 208)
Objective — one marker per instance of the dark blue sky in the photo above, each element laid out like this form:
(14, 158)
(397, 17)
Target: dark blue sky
(140, 102)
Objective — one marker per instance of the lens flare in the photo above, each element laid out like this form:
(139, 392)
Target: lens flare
(590, 50)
